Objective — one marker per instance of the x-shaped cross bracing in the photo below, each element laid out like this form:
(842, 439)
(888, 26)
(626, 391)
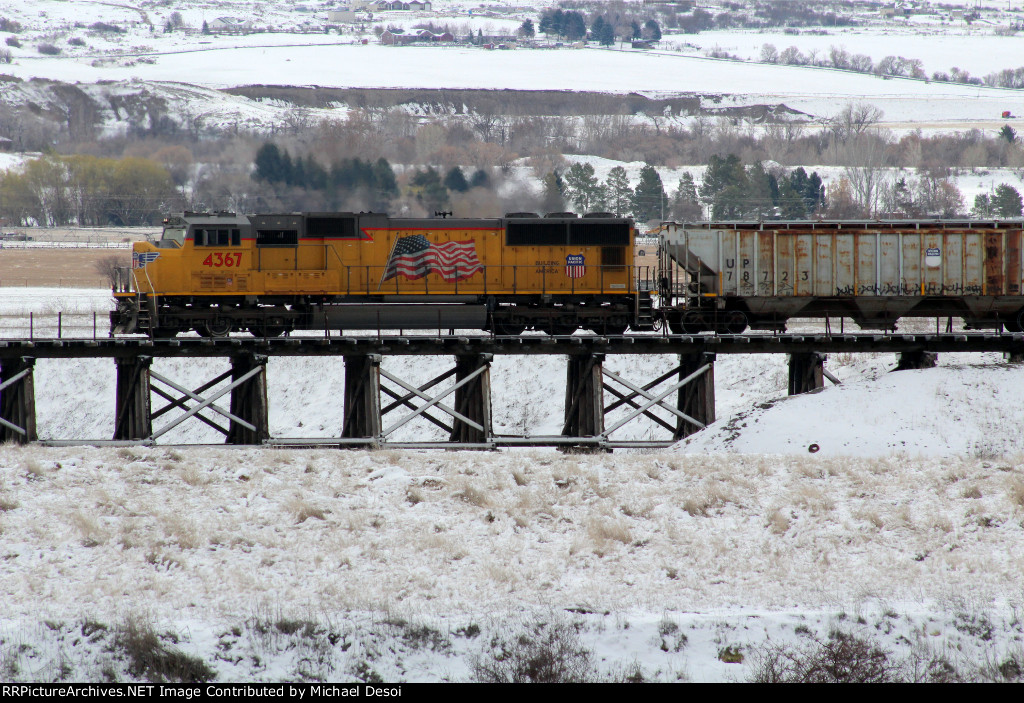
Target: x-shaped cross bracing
(12, 380)
(652, 400)
(202, 403)
(431, 401)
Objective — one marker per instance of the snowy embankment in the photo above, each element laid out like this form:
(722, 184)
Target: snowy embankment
(354, 565)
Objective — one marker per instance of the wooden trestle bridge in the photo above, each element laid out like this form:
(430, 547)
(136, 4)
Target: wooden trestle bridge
(377, 403)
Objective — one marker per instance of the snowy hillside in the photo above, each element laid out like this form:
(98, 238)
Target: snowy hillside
(399, 565)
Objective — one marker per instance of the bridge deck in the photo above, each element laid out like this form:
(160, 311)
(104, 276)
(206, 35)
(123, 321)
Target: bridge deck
(414, 345)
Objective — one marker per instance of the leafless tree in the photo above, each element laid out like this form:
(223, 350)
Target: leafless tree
(107, 267)
(854, 120)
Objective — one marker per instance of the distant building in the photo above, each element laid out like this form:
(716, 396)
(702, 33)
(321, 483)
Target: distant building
(400, 37)
(346, 16)
(227, 25)
(397, 5)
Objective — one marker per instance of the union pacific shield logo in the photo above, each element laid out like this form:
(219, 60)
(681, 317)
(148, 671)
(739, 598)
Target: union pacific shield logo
(575, 265)
(146, 257)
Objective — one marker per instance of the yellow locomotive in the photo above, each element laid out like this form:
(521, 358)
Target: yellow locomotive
(221, 272)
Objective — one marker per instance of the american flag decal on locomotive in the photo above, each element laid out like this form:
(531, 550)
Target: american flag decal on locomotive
(575, 266)
(415, 256)
(140, 259)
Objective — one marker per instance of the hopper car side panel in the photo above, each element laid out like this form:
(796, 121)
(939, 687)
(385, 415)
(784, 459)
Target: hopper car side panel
(874, 272)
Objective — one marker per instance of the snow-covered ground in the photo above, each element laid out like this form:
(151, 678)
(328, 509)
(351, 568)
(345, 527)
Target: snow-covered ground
(283, 58)
(410, 565)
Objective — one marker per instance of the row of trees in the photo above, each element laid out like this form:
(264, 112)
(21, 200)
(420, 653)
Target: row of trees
(87, 190)
(351, 183)
(731, 190)
(891, 66)
(605, 26)
(728, 191)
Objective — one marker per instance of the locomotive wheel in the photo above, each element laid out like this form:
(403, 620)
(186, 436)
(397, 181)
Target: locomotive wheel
(217, 327)
(560, 329)
(611, 330)
(507, 329)
(268, 330)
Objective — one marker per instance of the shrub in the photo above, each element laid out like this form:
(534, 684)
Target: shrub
(104, 27)
(76, 41)
(542, 653)
(48, 49)
(842, 658)
(149, 658)
(13, 41)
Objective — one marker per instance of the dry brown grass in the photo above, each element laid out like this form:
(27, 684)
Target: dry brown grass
(1015, 490)
(69, 268)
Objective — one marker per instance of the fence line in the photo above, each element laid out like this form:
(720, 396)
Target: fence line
(17, 244)
(97, 282)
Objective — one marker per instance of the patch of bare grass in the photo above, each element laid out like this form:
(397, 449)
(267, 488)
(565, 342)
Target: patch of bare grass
(150, 657)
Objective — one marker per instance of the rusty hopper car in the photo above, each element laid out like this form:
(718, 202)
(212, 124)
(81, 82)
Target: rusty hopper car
(726, 277)
(218, 272)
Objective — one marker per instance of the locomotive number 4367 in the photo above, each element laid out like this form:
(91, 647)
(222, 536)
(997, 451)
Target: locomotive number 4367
(230, 259)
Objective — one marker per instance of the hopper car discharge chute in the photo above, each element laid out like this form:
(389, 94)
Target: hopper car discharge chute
(270, 274)
(726, 277)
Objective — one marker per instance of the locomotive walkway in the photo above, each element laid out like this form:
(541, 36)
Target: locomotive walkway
(458, 400)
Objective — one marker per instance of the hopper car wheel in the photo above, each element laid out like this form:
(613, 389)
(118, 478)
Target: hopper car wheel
(735, 322)
(693, 322)
(1016, 323)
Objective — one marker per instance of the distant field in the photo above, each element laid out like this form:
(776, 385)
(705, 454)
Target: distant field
(63, 268)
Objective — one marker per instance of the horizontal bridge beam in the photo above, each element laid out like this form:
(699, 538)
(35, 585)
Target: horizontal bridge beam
(414, 345)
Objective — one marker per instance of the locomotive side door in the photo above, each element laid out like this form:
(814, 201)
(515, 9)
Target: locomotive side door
(276, 250)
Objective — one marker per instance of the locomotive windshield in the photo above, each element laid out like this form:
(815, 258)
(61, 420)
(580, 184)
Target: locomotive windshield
(173, 237)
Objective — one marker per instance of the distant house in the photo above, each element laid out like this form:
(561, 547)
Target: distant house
(226, 25)
(396, 5)
(493, 39)
(400, 37)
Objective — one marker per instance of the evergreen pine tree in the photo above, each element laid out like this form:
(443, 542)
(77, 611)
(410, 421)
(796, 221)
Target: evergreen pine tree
(685, 205)
(480, 179)
(429, 190)
(268, 163)
(1006, 202)
(582, 186)
(384, 180)
(724, 187)
(652, 31)
(649, 200)
(618, 194)
(553, 197)
(455, 180)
